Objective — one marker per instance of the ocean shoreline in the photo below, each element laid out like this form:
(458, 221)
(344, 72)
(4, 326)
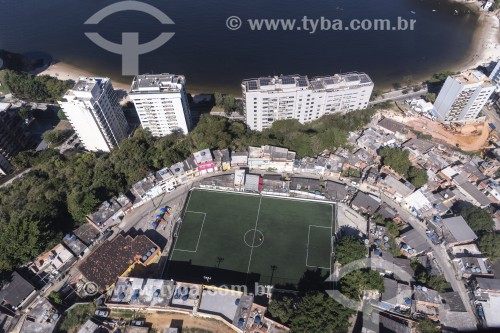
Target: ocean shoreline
(485, 47)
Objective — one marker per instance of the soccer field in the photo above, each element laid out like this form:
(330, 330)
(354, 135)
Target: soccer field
(237, 238)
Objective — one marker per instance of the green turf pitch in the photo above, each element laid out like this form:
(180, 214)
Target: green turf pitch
(238, 238)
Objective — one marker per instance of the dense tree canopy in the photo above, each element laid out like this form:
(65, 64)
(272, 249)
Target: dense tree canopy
(41, 88)
(354, 283)
(281, 309)
(418, 177)
(398, 160)
(315, 312)
(56, 137)
(423, 277)
(427, 326)
(489, 244)
(349, 249)
(478, 218)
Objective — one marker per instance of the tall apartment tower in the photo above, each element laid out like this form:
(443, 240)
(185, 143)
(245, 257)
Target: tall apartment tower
(463, 96)
(161, 103)
(93, 110)
(267, 99)
(495, 76)
(13, 137)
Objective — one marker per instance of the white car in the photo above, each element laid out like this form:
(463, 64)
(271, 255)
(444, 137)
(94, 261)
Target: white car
(102, 313)
(137, 323)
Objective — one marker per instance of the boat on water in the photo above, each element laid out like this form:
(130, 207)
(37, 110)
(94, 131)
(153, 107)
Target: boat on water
(412, 12)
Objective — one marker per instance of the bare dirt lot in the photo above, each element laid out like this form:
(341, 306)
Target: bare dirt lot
(470, 137)
(189, 324)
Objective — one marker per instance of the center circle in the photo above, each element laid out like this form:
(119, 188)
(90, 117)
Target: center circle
(253, 236)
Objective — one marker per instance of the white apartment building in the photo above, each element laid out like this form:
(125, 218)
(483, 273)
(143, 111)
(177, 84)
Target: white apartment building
(161, 103)
(495, 76)
(463, 96)
(93, 110)
(267, 99)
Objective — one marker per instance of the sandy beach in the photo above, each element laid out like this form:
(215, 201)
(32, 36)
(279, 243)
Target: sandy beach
(486, 46)
(64, 71)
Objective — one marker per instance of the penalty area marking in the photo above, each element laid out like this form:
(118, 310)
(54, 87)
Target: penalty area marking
(201, 231)
(307, 249)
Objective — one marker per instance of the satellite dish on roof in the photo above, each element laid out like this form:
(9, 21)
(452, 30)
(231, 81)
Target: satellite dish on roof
(202, 153)
(177, 169)
(424, 289)
(144, 258)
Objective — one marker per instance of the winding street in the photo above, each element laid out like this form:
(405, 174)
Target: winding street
(438, 252)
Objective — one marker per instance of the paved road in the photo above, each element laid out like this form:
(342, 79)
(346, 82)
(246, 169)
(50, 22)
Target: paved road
(439, 254)
(8, 182)
(399, 96)
(492, 116)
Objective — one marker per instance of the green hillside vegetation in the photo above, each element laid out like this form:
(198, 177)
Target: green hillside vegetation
(52, 199)
(41, 88)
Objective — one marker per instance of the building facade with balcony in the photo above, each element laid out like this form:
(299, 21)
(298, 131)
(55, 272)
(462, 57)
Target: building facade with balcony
(161, 103)
(268, 99)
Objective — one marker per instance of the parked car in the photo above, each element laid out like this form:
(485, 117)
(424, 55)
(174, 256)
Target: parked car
(102, 313)
(137, 323)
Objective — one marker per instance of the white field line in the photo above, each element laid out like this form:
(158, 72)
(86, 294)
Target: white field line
(307, 249)
(253, 241)
(199, 236)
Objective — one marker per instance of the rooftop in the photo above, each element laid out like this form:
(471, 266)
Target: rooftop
(299, 82)
(453, 301)
(473, 191)
(52, 260)
(42, 318)
(426, 295)
(203, 156)
(142, 292)
(186, 295)
(113, 257)
(231, 305)
(366, 201)
(74, 244)
(423, 146)
(398, 186)
(157, 83)
(88, 327)
(491, 308)
(416, 241)
(488, 284)
(15, 290)
(391, 125)
(336, 191)
(86, 88)
(87, 233)
(459, 229)
(472, 76)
